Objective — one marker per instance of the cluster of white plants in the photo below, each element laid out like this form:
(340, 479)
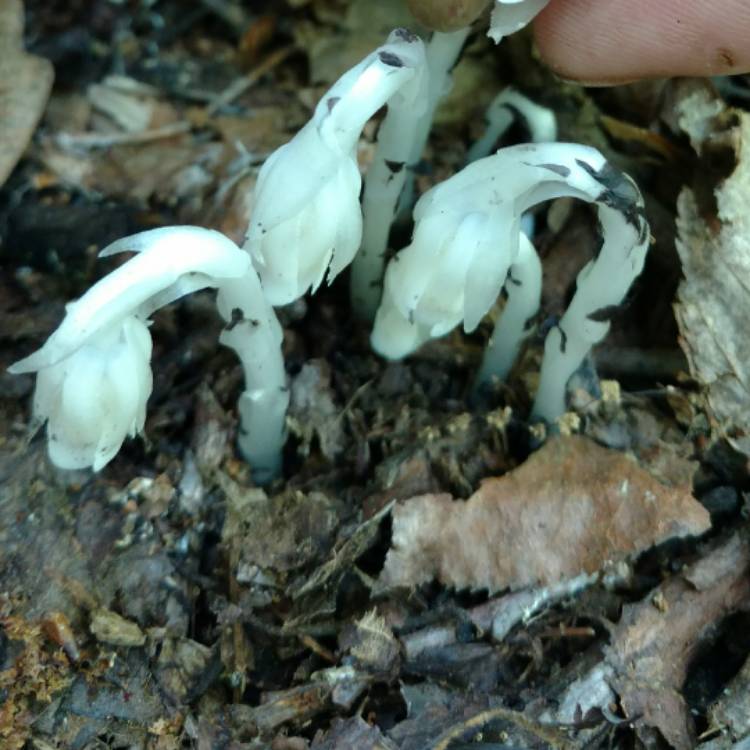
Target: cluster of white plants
(307, 225)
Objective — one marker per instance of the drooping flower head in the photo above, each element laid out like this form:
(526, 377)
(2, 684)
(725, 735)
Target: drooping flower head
(306, 219)
(93, 373)
(466, 238)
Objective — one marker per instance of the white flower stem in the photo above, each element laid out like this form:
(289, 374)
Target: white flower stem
(383, 184)
(253, 331)
(509, 16)
(401, 141)
(600, 287)
(524, 289)
(441, 54)
(507, 107)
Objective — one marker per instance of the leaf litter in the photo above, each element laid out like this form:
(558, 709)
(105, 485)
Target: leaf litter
(421, 579)
(569, 509)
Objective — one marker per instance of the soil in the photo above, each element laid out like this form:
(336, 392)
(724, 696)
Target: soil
(166, 602)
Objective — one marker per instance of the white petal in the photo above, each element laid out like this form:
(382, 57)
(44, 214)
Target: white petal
(393, 336)
(489, 267)
(279, 273)
(349, 228)
(164, 255)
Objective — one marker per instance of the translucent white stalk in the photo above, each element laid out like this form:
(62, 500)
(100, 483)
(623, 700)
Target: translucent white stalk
(253, 331)
(505, 109)
(306, 220)
(524, 290)
(441, 55)
(383, 185)
(600, 287)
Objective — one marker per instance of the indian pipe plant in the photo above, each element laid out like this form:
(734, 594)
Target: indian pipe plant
(307, 224)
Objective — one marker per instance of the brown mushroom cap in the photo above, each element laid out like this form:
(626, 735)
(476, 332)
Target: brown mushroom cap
(446, 15)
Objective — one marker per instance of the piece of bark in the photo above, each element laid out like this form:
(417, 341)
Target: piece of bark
(295, 706)
(656, 638)
(654, 643)
(571, 508)
(713, 242)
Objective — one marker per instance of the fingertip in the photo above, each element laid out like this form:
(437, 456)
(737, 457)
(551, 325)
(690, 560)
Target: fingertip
(607, 41)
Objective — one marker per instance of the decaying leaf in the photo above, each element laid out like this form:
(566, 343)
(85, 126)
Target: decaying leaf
(294, 706)
(731, 711)
(371, 643)
(569, 509)
(714, 246)
(312, 411)
(280, 533)
(654, 643)
(25, 84)
(362, 29)
(185, 669)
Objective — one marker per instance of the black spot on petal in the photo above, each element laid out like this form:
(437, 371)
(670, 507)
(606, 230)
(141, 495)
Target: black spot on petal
(621, 194)
(405, 35)
(388, 58)
(559, 169)
(236, 317)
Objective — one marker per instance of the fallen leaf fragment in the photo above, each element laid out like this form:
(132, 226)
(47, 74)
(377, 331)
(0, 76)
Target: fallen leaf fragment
(371, 643)
(109, 627)
(713, 243)
(572, 507)
(25, 85)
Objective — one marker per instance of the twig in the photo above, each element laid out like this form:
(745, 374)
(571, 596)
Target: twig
(238, 87)
(547, 734)
(242, 84)
(103, 140)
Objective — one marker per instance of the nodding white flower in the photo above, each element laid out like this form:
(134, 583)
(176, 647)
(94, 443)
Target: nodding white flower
(96, 397)
(306, 219)
(452, 271)
(93, 373)
(467, 242)
(509, 16)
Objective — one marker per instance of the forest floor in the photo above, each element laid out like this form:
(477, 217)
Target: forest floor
(429, 573)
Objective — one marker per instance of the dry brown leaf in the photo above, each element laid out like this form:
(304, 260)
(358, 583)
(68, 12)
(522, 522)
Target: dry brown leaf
(714, 299)
(181, 170)
(572, 507)
(364, 27)
(25, 84)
